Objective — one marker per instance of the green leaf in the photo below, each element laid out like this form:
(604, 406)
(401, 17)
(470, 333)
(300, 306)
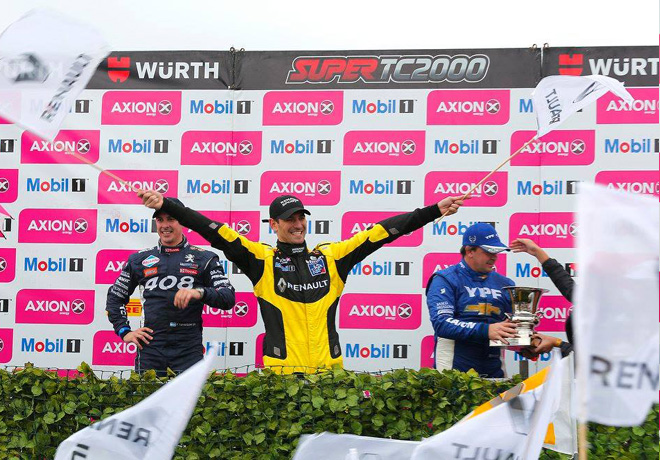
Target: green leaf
(317, 402)
(37, 390)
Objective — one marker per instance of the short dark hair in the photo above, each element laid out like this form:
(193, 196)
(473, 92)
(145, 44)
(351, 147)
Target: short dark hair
(465, 249)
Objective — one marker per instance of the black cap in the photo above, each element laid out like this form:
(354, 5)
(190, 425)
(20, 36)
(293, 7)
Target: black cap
(173, 200)
(284, 207)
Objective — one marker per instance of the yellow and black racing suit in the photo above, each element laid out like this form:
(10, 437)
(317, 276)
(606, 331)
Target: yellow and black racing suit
(297, 289)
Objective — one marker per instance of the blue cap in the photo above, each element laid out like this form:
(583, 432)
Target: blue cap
(484, 236)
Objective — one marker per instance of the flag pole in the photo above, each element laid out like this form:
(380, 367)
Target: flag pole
(474, 187)
(103, 171)
(583, 446)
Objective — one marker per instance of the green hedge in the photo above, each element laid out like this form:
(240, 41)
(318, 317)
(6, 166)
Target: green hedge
(262, 415)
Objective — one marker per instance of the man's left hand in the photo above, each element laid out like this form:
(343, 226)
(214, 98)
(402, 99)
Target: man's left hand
(541, 343)
(451, 204)
(184, 296)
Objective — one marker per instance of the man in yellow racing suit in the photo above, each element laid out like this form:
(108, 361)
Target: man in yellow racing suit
(298, 289)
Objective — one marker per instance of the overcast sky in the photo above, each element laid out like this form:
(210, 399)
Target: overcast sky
(356, 24)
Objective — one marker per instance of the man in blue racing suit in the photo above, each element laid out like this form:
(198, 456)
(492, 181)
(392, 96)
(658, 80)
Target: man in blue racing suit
(176, 280)
(467, 306)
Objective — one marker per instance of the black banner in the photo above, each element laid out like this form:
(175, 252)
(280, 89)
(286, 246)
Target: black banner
(165, 70)
(380, 69)
(634, 65)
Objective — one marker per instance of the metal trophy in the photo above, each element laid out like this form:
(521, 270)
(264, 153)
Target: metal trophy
(524, 305)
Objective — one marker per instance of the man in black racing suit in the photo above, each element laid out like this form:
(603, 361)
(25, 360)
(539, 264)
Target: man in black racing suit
(176, 280)
(298, 289)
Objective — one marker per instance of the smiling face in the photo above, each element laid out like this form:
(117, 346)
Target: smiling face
(169, 230)
(291, 230)
(479, 260)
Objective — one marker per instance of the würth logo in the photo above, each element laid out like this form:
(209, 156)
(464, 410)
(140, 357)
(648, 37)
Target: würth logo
(571, 64)
(119, 69)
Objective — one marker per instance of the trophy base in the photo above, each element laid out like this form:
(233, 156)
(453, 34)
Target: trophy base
(513, 342)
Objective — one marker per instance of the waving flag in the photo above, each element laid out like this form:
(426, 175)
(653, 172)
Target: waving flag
(330, 446)
(616, 306)
(150, 430)
(559, 96)
(513, 429)
(46, 60)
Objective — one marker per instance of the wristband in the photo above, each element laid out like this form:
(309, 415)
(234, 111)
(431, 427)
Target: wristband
(558, 342)
(123, 331)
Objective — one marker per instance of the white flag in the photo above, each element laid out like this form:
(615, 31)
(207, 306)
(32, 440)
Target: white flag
(559, 96)
(616, 306)
(515, 429)
(330, 446)
(46, 60)
(150, 430)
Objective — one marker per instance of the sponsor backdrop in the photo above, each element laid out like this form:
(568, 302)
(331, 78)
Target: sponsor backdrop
(357, 135)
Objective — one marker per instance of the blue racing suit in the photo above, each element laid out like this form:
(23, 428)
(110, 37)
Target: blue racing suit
(160, 272)
(462, 303)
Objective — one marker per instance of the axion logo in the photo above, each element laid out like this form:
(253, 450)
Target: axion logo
(611, 109)
(313, 187)
(465, 146)
(242, 148)
(8, 185)
(353, 222)
(547, 229)
(119, 69)
(112, 191)
(557, 148)
(440, 184)
(435, 261)
(468, 107)
(6, 345)
(141, 108)
(641, 182)
(380, 311)
(245, 223)
(303, 108)
(427, 351)
(244, 313)
(54, 306)
(63, 149)
(390, 68)
(109, 350)
(68, 226)
(7, 265)
(109, 263)
(554, 313)
(405, 148)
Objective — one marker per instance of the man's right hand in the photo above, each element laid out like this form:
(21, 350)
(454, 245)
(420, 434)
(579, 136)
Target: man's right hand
(139, 334)
(151, 198)
(502, 331)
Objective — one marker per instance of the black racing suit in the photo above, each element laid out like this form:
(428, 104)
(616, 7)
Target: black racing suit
(563, 281)
(297, 289)
(160, 272)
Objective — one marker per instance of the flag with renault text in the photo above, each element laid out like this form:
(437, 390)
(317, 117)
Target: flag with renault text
(150, 430)
(616, 306)
(557, 97)
(513, 429)
(46, 60)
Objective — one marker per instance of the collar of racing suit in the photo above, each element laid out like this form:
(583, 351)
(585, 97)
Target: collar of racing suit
(292, 249)
(183, 244)
(474, 275)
